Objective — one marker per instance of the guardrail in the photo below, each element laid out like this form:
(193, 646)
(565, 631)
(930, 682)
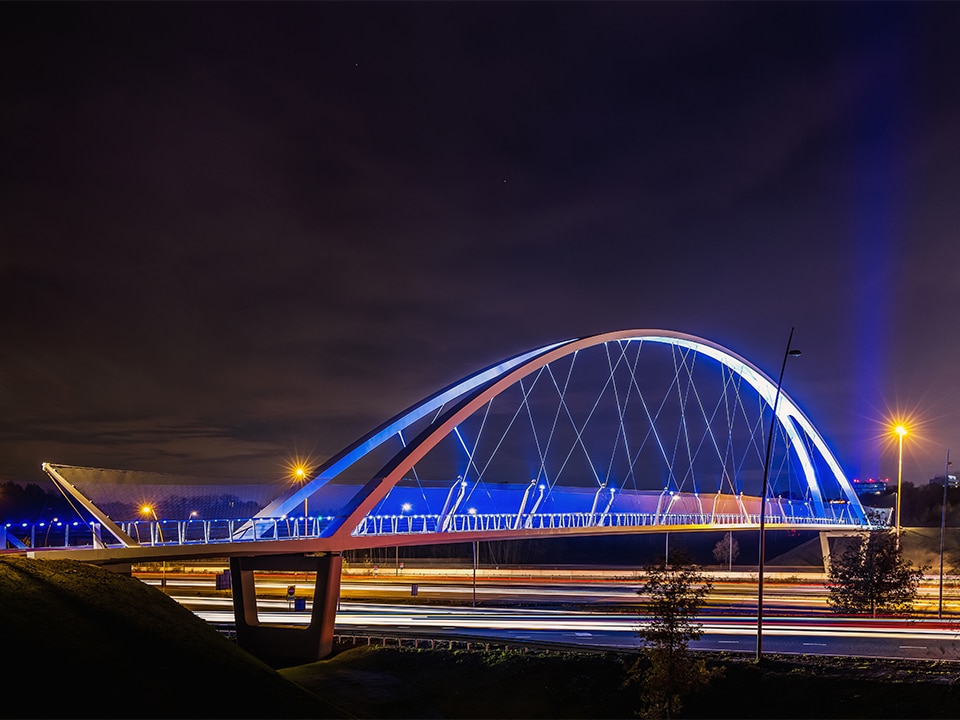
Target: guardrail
(421, 641)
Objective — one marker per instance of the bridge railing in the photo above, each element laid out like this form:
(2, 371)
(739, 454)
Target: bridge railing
(205, 532)
(60, 534)
(55, 533)
(499, 522)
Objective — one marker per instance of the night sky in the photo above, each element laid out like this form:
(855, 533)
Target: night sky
(235, 233)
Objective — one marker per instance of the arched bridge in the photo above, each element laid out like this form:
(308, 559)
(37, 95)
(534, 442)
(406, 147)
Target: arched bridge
(622, 432)
(631, 431)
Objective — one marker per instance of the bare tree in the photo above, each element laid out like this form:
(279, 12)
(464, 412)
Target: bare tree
(727, 550)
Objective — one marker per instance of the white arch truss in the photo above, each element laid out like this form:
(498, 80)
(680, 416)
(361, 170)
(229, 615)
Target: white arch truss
(454, 404)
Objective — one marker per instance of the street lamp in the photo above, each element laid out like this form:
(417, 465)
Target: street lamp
(476, 549)
(789, 352)
(943, 524)
(148, 510)
(300, 476)
(403, 508)
(901, 431)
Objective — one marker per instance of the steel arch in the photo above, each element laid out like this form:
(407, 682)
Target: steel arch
(470, 394)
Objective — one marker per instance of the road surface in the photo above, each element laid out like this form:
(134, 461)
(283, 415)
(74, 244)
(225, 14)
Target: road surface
(589, 615)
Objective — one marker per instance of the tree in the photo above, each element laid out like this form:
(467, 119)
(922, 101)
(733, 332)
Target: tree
(872, 575)
(666, 670)
(31, 503)
(727, 550)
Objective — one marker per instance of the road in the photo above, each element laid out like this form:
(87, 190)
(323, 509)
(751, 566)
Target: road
(591, 615)
(784, 596)
(883, 638)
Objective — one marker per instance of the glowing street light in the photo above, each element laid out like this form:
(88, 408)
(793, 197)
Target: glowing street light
(300, 476)
(149, 510)
(901, 431)
(789, 352)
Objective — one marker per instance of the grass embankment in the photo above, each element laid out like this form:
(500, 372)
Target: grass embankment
(82, 642)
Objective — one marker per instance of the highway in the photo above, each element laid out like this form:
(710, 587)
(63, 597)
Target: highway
(587, 614)
(882, 638)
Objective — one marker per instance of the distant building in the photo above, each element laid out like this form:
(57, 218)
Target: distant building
(872, 486)
(951, 480)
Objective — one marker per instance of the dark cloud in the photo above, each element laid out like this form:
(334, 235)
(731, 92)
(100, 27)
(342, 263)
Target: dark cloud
(235, 231)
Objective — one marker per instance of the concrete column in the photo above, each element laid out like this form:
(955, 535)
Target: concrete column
(825, 551)
(284, 645)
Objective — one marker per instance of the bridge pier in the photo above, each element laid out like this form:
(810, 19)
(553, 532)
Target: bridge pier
(829, 549)
(825, 551)
(286, 644)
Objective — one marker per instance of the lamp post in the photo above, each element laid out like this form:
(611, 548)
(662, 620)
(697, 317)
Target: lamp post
(403, 508)
(943, 524)
(901, 431)
(789, 352)
(476, 549)
(148, 510)
(300, 475)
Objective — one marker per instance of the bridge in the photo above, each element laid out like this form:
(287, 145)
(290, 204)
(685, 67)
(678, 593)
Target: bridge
(624, 432)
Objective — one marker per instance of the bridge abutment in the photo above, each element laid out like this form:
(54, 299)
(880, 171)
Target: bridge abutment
(278, 643)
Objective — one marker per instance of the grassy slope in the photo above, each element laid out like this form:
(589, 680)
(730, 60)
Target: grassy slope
(80, 641)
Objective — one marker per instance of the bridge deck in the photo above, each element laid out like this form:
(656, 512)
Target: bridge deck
(169, 540)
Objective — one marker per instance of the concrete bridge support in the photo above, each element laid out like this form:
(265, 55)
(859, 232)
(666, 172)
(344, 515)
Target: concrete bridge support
(286, 644)
(841, 540)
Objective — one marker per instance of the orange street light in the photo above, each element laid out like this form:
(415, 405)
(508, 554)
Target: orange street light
(148, 510)
(901, 431)
(300, 476)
